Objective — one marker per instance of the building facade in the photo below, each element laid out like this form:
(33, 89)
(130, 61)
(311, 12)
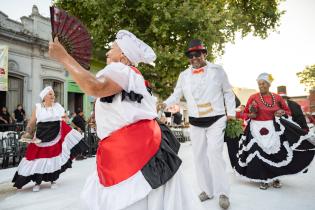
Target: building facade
(29, 67)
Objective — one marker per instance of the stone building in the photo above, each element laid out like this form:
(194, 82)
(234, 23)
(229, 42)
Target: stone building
(30, 68)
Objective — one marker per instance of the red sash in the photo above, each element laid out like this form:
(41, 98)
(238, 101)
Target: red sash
(126, 151)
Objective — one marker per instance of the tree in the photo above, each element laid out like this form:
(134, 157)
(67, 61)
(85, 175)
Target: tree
(168, 25)
(307, 76)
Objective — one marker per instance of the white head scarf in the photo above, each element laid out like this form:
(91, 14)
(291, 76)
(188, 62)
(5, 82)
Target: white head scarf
(45, 91)
(134, 49)
(265, 76)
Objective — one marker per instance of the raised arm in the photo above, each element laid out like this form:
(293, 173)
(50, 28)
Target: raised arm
(98, 87)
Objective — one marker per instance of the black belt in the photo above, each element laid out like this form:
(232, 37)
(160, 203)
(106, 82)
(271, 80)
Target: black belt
(204, 122)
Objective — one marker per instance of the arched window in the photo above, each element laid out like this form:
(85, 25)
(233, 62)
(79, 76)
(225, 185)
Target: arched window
(58, 88)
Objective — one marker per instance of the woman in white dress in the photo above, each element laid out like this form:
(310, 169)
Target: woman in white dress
(137, 162)
(53, 146)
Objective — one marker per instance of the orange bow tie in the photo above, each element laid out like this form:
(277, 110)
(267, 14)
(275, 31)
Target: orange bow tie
(198, 71)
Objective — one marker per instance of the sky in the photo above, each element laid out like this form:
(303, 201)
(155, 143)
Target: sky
(284, 53)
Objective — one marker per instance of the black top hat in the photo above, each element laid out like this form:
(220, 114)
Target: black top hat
(196, 45)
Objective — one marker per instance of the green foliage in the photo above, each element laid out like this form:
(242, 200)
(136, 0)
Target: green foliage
(97, 65)
(168, 26)
(307, 76)
(234, 128)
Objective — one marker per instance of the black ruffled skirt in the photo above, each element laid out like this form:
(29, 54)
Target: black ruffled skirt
(165, 163)
(270, 149)
(47, 160)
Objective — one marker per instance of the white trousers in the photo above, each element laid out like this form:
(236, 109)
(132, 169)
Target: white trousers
(174, 195)
(207, 145)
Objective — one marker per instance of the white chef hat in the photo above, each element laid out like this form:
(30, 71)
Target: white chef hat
(45, 91)
(265, 76)
(134, 49)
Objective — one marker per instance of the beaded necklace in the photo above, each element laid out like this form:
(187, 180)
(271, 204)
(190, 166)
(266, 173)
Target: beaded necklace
(265, 103)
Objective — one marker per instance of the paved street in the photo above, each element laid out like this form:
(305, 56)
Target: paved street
(297, 193)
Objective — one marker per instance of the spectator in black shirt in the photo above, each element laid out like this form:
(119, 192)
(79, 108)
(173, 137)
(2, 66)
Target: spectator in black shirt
(19, 114)
(78, 121)
(5, 118)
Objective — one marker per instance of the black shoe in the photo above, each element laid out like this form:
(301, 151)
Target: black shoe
(80, 157)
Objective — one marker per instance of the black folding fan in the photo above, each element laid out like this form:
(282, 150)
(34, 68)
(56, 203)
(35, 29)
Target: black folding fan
(72, 35)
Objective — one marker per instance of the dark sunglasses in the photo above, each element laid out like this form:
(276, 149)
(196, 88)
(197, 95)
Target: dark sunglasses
(195, 54)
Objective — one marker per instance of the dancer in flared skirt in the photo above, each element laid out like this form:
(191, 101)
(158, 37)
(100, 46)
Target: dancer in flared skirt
(52, 147)
(137, 163)
(273, 145)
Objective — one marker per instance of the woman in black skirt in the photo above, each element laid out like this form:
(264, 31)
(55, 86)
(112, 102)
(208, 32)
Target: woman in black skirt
(53, 146)
(272, 145)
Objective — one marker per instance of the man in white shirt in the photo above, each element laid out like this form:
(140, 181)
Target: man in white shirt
(211, 102)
